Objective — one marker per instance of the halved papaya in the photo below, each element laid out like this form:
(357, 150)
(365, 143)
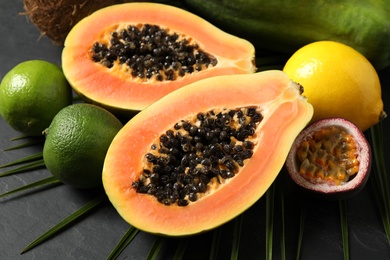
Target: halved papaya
(204, 153)
(125, 57)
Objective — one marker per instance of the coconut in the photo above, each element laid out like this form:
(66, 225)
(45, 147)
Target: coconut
(56, 18)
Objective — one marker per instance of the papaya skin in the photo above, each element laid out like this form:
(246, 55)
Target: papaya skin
(285, 26)
(285, 113)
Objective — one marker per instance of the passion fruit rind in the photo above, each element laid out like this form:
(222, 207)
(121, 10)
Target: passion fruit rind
(318, 181)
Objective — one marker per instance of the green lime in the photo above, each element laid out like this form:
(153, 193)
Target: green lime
(31, 94)
(76, 144)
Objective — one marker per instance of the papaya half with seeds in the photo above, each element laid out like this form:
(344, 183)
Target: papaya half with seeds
(204, 153)
(127, 56)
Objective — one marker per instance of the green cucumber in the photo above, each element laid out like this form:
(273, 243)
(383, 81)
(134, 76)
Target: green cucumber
(286, 25)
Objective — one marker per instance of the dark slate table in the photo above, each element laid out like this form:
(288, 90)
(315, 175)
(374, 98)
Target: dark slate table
(25, 216)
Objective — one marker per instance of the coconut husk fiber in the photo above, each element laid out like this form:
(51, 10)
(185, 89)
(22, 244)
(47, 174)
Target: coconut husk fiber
(55, 18)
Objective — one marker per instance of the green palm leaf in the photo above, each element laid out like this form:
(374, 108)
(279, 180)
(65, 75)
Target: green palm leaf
(26, 159)
(379, 178)
(40, 183)
(215, 243)
(301, 229)
(270, 201)
(181, 248)
(123, 243)
(38, 164)
(157, 245)
(282, 235)
(27, 144)
(344, 227)
(66, 222)
(236, 236)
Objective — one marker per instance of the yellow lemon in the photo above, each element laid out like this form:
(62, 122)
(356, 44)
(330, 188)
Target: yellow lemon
(338, 81)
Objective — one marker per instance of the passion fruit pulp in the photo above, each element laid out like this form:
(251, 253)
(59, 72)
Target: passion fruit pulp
(330, 157)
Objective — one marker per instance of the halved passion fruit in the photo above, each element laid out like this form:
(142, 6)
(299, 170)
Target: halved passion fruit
(330, 157)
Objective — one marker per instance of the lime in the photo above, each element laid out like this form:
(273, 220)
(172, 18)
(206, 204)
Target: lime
(76, 143)
(31, 94)
(338, 81)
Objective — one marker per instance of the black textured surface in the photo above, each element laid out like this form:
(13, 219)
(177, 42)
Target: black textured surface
(25, 216)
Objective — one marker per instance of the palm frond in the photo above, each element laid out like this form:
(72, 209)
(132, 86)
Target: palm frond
(26, 144)
(301, 229)
(157, 245)
(344, 227)
(181, 248)
(26, 159)
(38, 164)
(269, 231)
(282, 232)
(40, 183)
(379, 178)
(66, 222)
(236, 236)
(130, 234)
(215, 243)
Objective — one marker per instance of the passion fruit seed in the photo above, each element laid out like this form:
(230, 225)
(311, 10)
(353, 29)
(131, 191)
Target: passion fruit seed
(329, 154)
(198, 155)
(150, 51)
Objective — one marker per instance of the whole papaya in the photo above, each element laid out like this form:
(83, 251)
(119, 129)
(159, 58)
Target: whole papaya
(285, 26)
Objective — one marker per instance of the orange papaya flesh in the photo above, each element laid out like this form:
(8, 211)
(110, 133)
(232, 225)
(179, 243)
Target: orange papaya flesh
(115, 88)
(285, 112)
